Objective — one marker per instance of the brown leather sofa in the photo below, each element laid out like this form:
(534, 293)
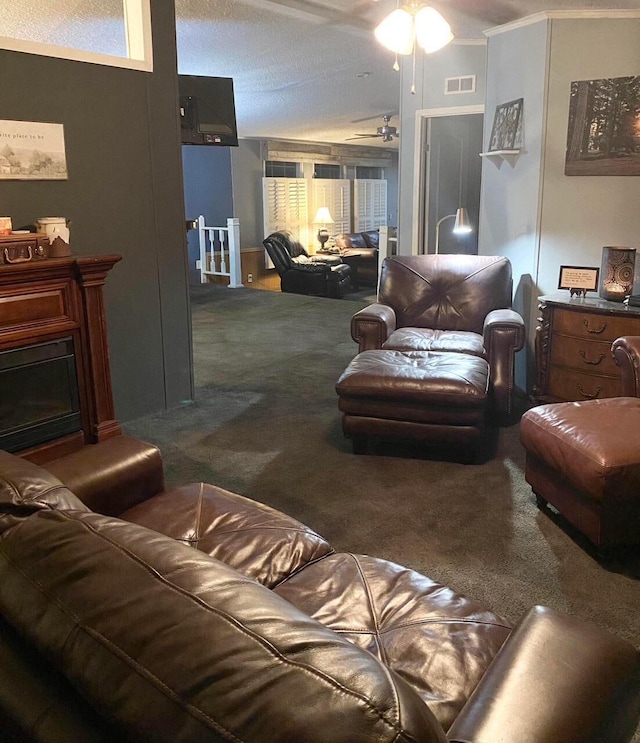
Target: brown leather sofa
(131, 613)
(360, 251)
(452, 304)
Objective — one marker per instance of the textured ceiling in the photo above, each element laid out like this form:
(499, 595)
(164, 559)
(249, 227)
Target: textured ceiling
(297, 64)
(302, 69)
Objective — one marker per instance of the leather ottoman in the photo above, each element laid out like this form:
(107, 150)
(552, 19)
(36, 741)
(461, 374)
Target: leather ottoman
(584, 459)
(432, 397)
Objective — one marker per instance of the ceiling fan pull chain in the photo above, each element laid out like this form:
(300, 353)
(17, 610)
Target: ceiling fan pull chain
(413, 78)
(396, 66)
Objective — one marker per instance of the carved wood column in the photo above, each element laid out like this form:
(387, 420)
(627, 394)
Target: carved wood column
(91, 275)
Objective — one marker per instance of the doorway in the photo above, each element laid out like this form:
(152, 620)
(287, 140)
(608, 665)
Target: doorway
(449, 178)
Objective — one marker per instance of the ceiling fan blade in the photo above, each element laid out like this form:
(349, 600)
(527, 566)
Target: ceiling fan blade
(378, 116)
(363, 136)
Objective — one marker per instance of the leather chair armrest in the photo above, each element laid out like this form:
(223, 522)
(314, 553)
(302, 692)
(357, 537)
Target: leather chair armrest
(626, 354)
(503, 335)
(316, 268)
(556, 678)
(372, 325)
(113, 475)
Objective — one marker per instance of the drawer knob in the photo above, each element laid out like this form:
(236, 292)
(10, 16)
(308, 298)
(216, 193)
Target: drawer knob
(594, 331)
(587, 395)
(583, 355)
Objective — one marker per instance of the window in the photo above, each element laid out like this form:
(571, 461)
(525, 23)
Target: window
(119, 35)
(276, 169)
(366, 172)
(322, 170)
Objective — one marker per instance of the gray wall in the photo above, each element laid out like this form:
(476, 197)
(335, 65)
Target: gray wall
(581, 214)
(532, 212)
(246, 166)
(206, 171)
(509, 220)
(431, 71)
(124, 195)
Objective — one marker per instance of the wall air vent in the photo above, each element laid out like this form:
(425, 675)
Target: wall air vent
(461, 84)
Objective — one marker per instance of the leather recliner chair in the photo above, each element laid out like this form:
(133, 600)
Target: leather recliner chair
(300, 276)
(451, 303)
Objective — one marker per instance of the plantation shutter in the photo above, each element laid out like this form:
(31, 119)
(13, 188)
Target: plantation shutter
(370, 197)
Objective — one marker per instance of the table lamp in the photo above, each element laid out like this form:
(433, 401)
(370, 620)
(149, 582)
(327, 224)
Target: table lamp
(323, 218)
(617, 273)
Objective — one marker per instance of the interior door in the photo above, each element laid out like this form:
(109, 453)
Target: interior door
(452, 177)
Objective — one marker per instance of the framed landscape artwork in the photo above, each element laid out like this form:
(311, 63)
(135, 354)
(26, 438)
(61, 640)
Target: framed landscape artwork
(604, 127)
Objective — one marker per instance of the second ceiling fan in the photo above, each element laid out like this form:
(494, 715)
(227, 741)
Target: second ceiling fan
(386, 131)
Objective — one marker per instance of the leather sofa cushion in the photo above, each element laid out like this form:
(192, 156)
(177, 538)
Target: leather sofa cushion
(26, 488)
(445, 292)
(440, 642)
(253, 538)
(417, 377)
(172, 645)
(429, 339)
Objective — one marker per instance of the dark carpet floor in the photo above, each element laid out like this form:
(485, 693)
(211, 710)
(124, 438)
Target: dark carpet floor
(265, 423)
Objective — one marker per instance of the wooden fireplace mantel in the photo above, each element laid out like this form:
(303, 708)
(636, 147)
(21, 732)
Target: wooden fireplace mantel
(56, 298)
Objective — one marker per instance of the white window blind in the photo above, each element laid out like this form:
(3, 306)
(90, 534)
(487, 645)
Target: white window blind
(370, 197)
(285, 206)
(335, 194)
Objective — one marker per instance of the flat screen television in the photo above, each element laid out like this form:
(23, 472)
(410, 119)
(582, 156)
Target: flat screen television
(207, 111)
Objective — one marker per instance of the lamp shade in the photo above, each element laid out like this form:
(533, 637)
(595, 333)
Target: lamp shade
(323, 216)
(462, 225)
(396, 31)
(432, 31)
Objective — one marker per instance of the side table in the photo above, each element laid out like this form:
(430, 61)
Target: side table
(573, 347)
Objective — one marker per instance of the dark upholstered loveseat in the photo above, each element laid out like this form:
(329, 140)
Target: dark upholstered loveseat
(133, 614)
(360, 251)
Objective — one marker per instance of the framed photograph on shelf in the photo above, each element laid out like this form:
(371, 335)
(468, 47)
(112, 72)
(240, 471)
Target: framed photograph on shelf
(506, 132)
(578, 279)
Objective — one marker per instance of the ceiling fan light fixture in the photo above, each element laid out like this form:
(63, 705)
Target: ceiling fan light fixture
(414, 22)
(395, 32)
(432, 30)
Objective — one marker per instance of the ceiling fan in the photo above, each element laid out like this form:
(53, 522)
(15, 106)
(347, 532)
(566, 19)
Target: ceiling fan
(386, 131)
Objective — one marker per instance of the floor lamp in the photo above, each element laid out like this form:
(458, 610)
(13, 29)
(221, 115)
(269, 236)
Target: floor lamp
(462, 225)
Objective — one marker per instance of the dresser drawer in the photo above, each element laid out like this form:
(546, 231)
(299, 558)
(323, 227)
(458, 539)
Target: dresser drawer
(568, 384)
(584, 355)
(595, 326)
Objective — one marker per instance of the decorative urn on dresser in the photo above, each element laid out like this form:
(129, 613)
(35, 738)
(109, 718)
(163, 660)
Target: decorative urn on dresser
(573, 347)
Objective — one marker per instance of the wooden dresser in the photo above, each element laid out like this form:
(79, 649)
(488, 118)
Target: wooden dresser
(573, 347)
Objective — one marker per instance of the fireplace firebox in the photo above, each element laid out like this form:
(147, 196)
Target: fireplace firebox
(55, 381)
(39, 398)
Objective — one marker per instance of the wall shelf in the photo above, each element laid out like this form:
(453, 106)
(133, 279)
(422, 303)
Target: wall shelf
(501, 154)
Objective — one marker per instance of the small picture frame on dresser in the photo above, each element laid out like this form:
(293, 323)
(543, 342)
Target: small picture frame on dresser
(578, 279)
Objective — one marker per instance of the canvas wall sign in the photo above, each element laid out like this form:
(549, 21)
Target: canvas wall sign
(32, 150)
(604, 127)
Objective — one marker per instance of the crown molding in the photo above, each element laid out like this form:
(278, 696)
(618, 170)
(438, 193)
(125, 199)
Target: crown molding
(577, 15)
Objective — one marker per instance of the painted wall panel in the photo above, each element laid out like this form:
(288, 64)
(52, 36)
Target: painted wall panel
(581, 214)
(516, 68)
(431, 71)
(124, 195)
